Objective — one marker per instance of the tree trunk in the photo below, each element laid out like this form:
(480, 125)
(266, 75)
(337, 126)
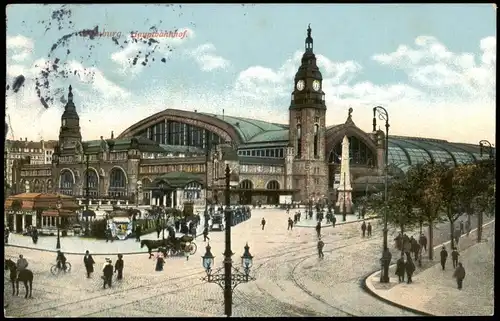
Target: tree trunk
(431, 240)
(479, 226)
(451, 233)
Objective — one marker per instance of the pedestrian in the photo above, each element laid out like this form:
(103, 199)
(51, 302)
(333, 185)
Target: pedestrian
(6, 235)
(318, 229)
(205, 234)
(177, 225)
(454, 257)
(288, 221)
(89, 262)
(423, 242)
(457, 236)
(107, 271)
(138, 233)
(263, 223)
(159, 261)
(21, 264)
(192, 231)
(34, 235)
(158, 230)
(321, 245)
(459, 274)
(363, 228)
(369, 229)
(461, 227)
(109, 235)
(334, 220)
(400, 269)
(410, 268)
(444, 256)
(119, 267)
(467, 227)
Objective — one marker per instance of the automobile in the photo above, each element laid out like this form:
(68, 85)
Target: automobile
(77, 229)
(217, 222)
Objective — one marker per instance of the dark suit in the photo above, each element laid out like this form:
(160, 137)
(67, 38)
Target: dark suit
(119, 269)
(88, 261)
(108, 275)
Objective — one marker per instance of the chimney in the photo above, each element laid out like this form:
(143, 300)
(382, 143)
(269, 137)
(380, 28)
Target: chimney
(25, 139)
(112, 135)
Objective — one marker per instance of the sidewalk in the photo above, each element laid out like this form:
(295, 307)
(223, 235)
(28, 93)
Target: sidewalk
(434, 291)
(78, 245)
(350, 218)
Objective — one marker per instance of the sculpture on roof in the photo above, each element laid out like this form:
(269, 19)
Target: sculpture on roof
(104, 145)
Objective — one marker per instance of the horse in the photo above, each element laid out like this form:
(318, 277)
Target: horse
(152, 244)
(26, 276)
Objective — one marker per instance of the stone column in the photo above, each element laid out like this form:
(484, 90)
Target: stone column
(24, 220)
(165, 199)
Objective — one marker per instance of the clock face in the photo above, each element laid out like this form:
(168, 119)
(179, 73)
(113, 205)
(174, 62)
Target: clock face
(316, 85)
(300, 85)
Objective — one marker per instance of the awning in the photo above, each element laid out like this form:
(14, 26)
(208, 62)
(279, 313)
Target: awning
(56, 213)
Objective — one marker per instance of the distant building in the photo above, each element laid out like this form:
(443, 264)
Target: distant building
(176, 155)
(39, 152)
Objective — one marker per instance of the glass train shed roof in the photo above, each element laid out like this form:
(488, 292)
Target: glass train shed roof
(407, 151)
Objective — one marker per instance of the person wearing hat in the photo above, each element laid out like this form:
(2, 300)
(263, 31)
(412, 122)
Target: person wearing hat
(107, 271)
(89, 262)
(444, 256)
(321, 245)
(119, 267)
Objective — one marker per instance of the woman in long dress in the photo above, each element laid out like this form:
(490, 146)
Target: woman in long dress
(159, 261)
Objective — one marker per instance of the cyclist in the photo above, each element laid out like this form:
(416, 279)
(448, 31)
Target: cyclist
(61, 260)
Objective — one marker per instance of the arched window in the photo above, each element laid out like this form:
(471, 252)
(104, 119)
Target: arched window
(37, 187)
(117, 183)
(274, 185)
(246, 184)
(43, 187)
(359, 153)
(66, 182)
(192, 191)
(93, 185)
(316, 141)
(49, 186)
(299, 141)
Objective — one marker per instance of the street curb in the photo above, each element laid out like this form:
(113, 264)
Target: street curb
(367, 289)
(341, 223)
(82, 253)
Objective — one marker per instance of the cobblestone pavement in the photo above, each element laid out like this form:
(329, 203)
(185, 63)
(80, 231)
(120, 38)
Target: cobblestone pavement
(78, 245)
(435, 292)
(291, 281)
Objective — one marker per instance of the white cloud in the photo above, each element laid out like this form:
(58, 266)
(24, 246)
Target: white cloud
(206, 58)
(137, 48)
(448, 95)
(20, 46)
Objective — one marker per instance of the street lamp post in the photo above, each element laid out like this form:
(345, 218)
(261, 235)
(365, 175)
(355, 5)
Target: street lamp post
(384, 115)
(484, 145)
(231, 276)
(58, 206)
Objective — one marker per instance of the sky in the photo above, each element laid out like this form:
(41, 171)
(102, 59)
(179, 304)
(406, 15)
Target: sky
(432, 66)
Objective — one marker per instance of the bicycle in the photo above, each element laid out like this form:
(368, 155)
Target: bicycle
(55, 270)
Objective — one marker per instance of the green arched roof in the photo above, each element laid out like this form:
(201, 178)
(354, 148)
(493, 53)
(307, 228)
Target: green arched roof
(407, 151)
(252, 130)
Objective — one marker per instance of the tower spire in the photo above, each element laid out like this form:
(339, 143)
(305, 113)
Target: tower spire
(309, 39)
(70, 95)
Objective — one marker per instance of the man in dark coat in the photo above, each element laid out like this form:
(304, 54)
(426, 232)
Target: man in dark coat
(138, 231)
(459, 274)
(263, 223)
(107, 271)
(290, 224)
(321, 245)
(89, 262)
(119, 267)
(454, 257)
(400, 269)
(410, 268)
(363, 228)
(423, 242)
(318, 229)
(34, 235)
(158, 229)
(369, 229)
(334, 220)
(444, 256)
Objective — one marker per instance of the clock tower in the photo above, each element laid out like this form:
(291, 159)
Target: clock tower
(307, 128)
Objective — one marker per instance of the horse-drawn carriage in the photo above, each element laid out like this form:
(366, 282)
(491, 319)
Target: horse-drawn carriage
(172, 245)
